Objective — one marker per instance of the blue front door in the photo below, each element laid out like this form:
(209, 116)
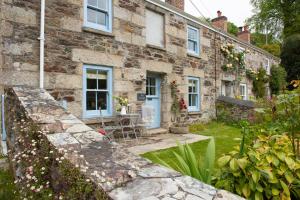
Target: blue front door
(153, 98)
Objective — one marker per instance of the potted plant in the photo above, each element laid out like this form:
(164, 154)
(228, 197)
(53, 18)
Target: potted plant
(122, 105)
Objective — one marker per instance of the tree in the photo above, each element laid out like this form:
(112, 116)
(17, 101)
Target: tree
(273, 49)
(266, 42)
(232, 28)
(277, 80)
(279, 17)
(290, 57)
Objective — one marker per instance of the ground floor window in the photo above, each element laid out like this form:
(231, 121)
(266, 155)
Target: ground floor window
(193, 94)
(243, 91)
(227, 89)
(97, 91)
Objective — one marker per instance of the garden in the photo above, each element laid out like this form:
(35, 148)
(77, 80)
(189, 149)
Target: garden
(257, 159)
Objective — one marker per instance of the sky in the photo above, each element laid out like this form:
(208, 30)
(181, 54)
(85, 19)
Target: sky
(237, 11)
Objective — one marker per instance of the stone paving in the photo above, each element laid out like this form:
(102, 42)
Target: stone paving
(114, 170)
(157, 142)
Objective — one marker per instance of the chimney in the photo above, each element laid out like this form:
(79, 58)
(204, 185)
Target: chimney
(220, 22)
(244, 34)
(176, 3)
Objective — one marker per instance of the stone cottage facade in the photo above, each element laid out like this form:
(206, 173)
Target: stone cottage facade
(95, 50)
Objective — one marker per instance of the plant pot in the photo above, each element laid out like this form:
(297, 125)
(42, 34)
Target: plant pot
(179, 129)
(123, 110)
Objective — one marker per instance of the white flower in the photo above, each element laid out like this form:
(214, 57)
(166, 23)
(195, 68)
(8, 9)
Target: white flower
(60, 197)
(51, 152)
(32, 187)
(87, 180)
(57, 159)
(62, 158)
(50, 195)
(81, 156)
(46, 158)
(43, 168)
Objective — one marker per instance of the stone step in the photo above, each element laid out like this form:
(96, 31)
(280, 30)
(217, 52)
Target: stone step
(157, 131)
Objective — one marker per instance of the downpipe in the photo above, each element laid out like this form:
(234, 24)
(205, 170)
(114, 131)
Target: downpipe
(42, 43)
(3, 118)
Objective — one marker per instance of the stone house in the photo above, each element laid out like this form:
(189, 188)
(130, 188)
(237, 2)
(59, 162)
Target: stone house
(97, 49)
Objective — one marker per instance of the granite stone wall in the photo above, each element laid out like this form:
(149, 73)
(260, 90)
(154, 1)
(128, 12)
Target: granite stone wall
(115, 172)
(69, 45)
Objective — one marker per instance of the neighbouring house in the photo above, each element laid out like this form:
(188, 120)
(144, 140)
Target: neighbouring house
(97, 49)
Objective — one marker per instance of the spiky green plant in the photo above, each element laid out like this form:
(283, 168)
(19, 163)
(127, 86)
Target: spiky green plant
(187, 163)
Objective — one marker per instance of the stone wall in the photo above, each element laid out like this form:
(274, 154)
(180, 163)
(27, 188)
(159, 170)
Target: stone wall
(114, 171)
(232, 110)
(69, 45)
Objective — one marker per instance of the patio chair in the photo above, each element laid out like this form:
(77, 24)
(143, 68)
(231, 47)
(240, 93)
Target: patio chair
(139, 125)
(107, 131)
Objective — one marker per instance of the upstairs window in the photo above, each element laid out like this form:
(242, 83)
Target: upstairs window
(243, 91)
(97, 14)
(194, 94)
(193, 40)
(97, 91)
(155, 29)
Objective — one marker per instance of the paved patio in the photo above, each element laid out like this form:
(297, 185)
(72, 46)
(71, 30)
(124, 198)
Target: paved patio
(158, 142)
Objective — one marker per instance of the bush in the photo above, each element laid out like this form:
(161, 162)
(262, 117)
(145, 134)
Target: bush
(277, 80)
(259, 83)
(267, 170)
(290, 58)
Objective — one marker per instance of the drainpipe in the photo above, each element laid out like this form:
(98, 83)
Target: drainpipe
(216, 95)
(42, 42)
(3, 120)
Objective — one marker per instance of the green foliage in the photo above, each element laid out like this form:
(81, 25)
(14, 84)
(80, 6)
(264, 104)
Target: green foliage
(232, 28)
(290, 57)
(259, 83)
(196, 127)
(7, 187)
(277, 79)
(268, 43)
(235, 61)
(267, 170)
(280, 17)
(187, 163)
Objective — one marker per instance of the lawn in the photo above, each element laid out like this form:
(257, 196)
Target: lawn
(7, 187)
(226, 138)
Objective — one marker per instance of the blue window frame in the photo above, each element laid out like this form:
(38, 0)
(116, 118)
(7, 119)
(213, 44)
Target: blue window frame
(193, 44)
(193, 94)
(97, 91)
(98, 14)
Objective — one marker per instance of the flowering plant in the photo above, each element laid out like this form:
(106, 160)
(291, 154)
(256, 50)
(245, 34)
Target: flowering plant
(122, 101)
(235, 60)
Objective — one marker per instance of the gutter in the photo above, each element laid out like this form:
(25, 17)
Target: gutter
(197, 21)
(42, 44)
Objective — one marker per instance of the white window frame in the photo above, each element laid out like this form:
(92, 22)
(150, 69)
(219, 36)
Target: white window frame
(197, 52)
(267, 66)
(96, 113)
(197, 107)
(108, 27)
(244, 97)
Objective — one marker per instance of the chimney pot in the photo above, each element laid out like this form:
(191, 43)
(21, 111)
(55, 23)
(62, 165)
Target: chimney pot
(246, 28)
(220, 21)
(244, 34)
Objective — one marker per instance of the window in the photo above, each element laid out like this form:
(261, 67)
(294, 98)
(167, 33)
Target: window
(97, 91)
(226, 89)
(194, 93)
(98, 15)
(155, 29)
(243, 91)
(151, 86)
(267, 66)
(193, 40)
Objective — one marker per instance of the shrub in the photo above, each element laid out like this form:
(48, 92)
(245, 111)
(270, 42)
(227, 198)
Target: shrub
(259, 83)
(187, 163)
(277, 80)
(267, 170)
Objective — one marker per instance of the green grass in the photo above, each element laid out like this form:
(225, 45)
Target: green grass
(7, 186)
(226, 138)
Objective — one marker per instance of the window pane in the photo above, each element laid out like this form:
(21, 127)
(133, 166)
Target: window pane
(102, 100)
(147, 90)
(153, 91)
(194, 100)
(92, 16)
(192, 46)
(190, 100)
(91, 78)
(102, 4)
(101, 17)
(152, 82)
(192, 34)
(92, 3)
(91, 100)
(91, 84)
(102, 80)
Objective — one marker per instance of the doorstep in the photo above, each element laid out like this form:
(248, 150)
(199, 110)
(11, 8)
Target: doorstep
(156, 131)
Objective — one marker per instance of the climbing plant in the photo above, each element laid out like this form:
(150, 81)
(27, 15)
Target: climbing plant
(178, 103)
(259, 83)
(235, 60)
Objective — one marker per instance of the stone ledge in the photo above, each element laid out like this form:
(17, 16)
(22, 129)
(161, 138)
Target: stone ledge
(119, 173)
(100, 32)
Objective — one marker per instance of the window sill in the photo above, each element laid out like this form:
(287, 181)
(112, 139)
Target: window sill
(193, 55)
(100, 32)
(97, 120)
(156, 47)
(194, 113)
